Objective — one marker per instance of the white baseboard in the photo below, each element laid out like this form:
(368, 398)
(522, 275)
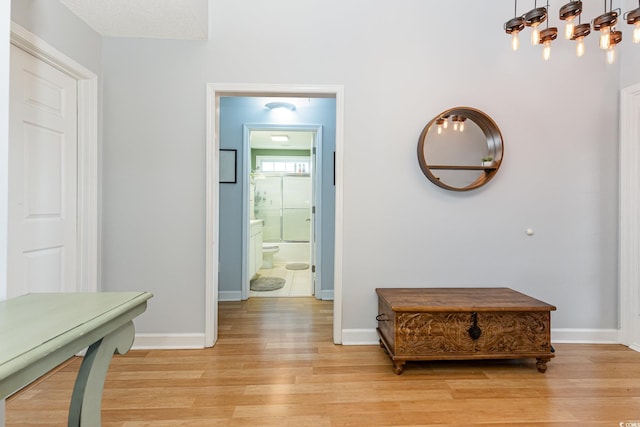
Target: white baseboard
(229, 296)
(573, 336)
(359, 337)
(145, 341)
(585, 336)
(326, 295)
(148, 341)
(635, 347)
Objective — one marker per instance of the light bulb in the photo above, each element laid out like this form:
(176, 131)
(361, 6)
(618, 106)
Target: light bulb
(611, 55)
(515, 40)
(604, 37)
(446, 123)
(439, 129)
(580, 46)
(636, 32)
(461, 126)
(455, 125)
(546, 52)
(568, 29)
(535, 34)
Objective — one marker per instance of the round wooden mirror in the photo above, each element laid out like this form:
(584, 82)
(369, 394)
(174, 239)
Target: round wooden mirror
(460, 149)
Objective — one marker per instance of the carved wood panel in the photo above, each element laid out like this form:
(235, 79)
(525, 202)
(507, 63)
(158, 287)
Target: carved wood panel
(521, 332)
(446, 333)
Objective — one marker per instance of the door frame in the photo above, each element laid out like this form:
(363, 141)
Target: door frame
(214, 91)
(87, 267)
(629, 232)
(316, 176)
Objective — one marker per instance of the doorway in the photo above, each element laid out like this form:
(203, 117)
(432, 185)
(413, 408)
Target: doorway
(85, 262)
(283, 205)
(214, 94)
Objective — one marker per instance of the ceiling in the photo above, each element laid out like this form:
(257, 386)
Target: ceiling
(158, 19)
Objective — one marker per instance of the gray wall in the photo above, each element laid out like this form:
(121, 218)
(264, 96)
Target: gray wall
(559, 174)
(53, 22)
(154, 178)
(400, 63)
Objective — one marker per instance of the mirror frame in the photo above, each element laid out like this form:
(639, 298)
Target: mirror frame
(495, 145)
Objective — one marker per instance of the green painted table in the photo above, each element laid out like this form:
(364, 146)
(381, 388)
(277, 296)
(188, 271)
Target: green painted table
(40, 331)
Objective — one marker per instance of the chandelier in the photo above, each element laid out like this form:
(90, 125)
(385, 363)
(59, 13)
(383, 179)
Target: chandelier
(605, 24)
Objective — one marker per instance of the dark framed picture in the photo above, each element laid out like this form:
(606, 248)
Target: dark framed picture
(228, 170)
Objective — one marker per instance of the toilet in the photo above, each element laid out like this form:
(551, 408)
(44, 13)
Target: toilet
(268, 250)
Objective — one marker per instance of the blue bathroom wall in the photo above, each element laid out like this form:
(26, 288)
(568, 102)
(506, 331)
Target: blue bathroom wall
(235, 112)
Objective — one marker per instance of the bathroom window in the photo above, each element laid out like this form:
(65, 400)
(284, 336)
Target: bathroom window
(285, 164)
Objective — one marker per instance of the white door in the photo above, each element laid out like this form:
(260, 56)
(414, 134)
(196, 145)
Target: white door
(42, 235)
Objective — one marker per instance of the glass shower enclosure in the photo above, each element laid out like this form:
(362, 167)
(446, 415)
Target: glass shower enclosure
(283, 202)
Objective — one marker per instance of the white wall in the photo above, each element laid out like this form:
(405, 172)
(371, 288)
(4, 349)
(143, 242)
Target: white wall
(53, 22)
(401, 63)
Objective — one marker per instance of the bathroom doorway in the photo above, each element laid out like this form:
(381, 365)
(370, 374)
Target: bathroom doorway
(281, 203)
(229, 107)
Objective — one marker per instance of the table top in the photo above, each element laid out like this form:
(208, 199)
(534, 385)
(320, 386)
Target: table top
(460, 299)
(35, 321)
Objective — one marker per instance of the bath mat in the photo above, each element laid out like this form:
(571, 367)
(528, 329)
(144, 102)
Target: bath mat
(297, 266)
(266, 284)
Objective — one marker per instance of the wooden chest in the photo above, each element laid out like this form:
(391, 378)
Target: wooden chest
(463, 323)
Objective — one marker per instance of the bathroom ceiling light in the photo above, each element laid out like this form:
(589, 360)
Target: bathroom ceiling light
(279, 104)
(279, 138)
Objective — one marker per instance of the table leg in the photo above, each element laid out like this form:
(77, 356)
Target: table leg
(86, 401)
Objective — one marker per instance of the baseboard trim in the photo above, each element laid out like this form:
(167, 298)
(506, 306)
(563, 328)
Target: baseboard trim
(565, 336)
(327, 295)
(359, 337)
(229, 296)
(585, 336)
(147, 341)
(635, 347)
(158, 341)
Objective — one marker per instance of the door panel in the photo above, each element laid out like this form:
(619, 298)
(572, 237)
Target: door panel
(43, 270)
(42, 251)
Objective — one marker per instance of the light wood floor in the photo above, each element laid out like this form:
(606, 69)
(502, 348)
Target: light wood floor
(275, 365)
